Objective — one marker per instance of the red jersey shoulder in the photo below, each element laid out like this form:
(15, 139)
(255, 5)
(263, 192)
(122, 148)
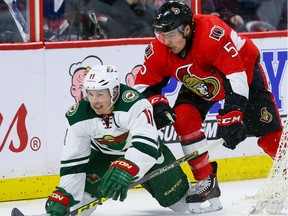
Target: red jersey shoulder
(155, 65)
(155, 49)
(210, 28)
(156, 55)
(210, 35)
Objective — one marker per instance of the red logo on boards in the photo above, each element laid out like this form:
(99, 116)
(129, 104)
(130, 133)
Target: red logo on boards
(17, 123)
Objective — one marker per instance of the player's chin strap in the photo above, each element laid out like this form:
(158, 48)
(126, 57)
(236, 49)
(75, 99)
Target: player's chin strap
(99, 201)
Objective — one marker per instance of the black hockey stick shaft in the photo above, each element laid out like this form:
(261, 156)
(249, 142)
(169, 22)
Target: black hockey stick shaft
(147, 177)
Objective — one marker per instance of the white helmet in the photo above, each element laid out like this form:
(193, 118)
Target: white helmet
(103, 77)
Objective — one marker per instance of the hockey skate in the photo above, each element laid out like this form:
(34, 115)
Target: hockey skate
(205, 194)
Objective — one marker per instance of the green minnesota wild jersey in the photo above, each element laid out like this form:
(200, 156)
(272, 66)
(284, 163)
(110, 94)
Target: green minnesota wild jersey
(129, 131)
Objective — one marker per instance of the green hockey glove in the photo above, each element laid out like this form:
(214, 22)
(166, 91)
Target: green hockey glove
(59, 202)
(115, 182)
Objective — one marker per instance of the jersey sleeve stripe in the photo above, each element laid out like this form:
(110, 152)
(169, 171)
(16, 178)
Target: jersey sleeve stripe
(146, 149)
(152, 141)
(75, 160)
(73, 169)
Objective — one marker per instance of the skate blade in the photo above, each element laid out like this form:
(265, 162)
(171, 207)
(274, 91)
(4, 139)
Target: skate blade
(210, 205)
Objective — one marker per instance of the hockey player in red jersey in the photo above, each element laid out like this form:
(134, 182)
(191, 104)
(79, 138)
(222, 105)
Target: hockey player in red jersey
(213, 63)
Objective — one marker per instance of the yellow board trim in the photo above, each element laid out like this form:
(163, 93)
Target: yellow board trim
(230, 169)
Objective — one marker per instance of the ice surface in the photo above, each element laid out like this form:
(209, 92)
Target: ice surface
(140, 203)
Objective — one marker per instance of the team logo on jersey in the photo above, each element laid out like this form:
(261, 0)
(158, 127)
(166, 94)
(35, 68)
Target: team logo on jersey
(207, 87)
(266, 116)
(149, 51)
(129, 96)
(72, 110)
(92, 178)
(113, 142)
(216, 33)
(107, 139)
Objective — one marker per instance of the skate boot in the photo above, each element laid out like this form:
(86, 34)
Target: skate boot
(205, 192)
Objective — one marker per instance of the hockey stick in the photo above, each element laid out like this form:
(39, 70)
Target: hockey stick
(147, 177)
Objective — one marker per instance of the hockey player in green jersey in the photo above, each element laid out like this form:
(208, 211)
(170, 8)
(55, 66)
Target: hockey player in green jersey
(110, 142)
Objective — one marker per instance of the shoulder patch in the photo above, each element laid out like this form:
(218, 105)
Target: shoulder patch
(72, 110)
(130, 95)
(149, 51)
(216, 32)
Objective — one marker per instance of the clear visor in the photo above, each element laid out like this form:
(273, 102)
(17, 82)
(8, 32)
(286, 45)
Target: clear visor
(85, 91)
(168, 36)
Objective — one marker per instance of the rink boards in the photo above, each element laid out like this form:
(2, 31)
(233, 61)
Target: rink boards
(39, 85)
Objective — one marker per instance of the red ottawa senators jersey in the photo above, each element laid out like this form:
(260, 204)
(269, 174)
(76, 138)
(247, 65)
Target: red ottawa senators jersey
(216, 49)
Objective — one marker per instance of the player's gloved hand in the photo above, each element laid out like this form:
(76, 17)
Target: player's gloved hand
(230, 127)
(115, 182)
(162, 112)
(59, 202)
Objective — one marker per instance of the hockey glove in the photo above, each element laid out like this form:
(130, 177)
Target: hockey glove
(162, 112)
(230, 127)
(115, 182)
(59, 202)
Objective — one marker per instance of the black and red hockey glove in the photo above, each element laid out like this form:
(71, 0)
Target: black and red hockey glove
(231, 127)
(162, 112)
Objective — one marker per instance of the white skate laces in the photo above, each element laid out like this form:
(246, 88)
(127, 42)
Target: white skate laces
(203, 186)
(204, 196)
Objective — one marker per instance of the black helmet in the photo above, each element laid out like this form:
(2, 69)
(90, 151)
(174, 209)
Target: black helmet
(171, 15)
